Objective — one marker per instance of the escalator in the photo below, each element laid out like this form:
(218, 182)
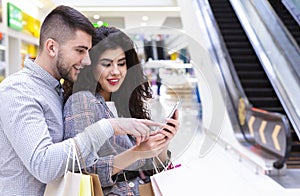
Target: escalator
(287, 19)
(251, 74)
(294, 29)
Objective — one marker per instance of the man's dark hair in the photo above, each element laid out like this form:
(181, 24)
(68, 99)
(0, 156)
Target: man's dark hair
(61, 24)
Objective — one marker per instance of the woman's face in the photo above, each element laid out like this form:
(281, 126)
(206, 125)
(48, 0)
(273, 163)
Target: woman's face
(111, 70)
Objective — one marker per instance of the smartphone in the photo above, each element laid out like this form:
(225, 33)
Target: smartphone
(176, 106)
(171, 114)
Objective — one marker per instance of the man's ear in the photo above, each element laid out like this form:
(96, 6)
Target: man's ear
(51, 47)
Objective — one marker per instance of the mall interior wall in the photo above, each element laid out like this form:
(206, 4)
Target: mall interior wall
(16, 44)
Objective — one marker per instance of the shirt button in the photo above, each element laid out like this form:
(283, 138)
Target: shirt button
(131, 184)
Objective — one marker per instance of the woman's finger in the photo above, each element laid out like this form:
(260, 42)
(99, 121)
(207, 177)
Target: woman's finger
(151, 123)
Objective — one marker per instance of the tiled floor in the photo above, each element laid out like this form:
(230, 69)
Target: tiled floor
(219, 172)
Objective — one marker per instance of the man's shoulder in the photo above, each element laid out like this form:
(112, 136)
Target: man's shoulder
(18, 78)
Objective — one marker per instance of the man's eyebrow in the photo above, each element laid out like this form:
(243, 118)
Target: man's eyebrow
(83, 47)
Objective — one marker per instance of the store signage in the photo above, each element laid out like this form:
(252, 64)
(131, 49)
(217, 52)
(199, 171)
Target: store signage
(30, 25)
(100, 23)
(14, 17)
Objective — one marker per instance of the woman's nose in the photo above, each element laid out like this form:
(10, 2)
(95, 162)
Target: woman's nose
(115, 69)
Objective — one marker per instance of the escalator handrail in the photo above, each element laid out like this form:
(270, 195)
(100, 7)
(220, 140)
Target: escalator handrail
(281, 35)
(294, 8)
(234, 86)
(225, 65)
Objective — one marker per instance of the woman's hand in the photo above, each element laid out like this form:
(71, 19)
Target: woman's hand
(152, 147)
(170, 127)
(139, 128)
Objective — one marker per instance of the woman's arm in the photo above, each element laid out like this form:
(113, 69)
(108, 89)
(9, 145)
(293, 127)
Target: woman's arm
(83, 109)
(147, 149)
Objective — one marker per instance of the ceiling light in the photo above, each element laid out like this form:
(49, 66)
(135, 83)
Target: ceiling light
(100, 23)
(145, 18)
(96, 16)
(128, 9)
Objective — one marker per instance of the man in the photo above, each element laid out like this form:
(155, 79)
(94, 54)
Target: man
(31, 125)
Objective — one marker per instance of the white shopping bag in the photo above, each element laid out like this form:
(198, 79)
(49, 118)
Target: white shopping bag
(170, 182)
(69, 184)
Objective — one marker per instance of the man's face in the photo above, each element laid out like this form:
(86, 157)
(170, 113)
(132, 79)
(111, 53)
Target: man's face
(73, 56)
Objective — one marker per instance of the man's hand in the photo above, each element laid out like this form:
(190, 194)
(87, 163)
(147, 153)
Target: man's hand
(139, 128)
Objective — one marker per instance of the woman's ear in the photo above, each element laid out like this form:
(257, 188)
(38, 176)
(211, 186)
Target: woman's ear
(51, 47)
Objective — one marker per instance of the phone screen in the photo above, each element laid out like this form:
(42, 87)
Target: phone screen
(176, 106)
(171, 114)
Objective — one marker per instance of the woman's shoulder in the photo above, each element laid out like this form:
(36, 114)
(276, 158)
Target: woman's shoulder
(84, 94)
(81, 97)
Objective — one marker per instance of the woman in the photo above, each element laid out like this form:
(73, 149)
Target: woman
(116, 75)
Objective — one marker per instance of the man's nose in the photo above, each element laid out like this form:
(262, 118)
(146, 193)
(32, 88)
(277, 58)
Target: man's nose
(86, 60)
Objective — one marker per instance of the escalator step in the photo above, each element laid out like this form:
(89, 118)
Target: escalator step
(294, 137)
(264, 103)
(245, 59)
(241, 52)
(261, 92)
(234, 38)
(258, 83)
(274, 109)
(252, 75)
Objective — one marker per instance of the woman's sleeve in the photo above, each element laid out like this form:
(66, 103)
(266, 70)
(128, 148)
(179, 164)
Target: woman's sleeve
(105, 164)
(104, 168)
(81, 110)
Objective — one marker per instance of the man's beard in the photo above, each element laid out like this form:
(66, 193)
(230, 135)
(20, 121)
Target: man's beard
(62, 69)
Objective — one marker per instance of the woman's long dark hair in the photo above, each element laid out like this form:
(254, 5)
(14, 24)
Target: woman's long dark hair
(130, 99)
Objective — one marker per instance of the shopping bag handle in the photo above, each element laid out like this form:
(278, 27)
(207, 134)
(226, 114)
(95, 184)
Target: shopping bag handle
(155, 165)
(80, 156)
(75, 158)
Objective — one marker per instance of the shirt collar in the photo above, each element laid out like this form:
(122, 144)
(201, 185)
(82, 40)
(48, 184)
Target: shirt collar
(41, 73)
